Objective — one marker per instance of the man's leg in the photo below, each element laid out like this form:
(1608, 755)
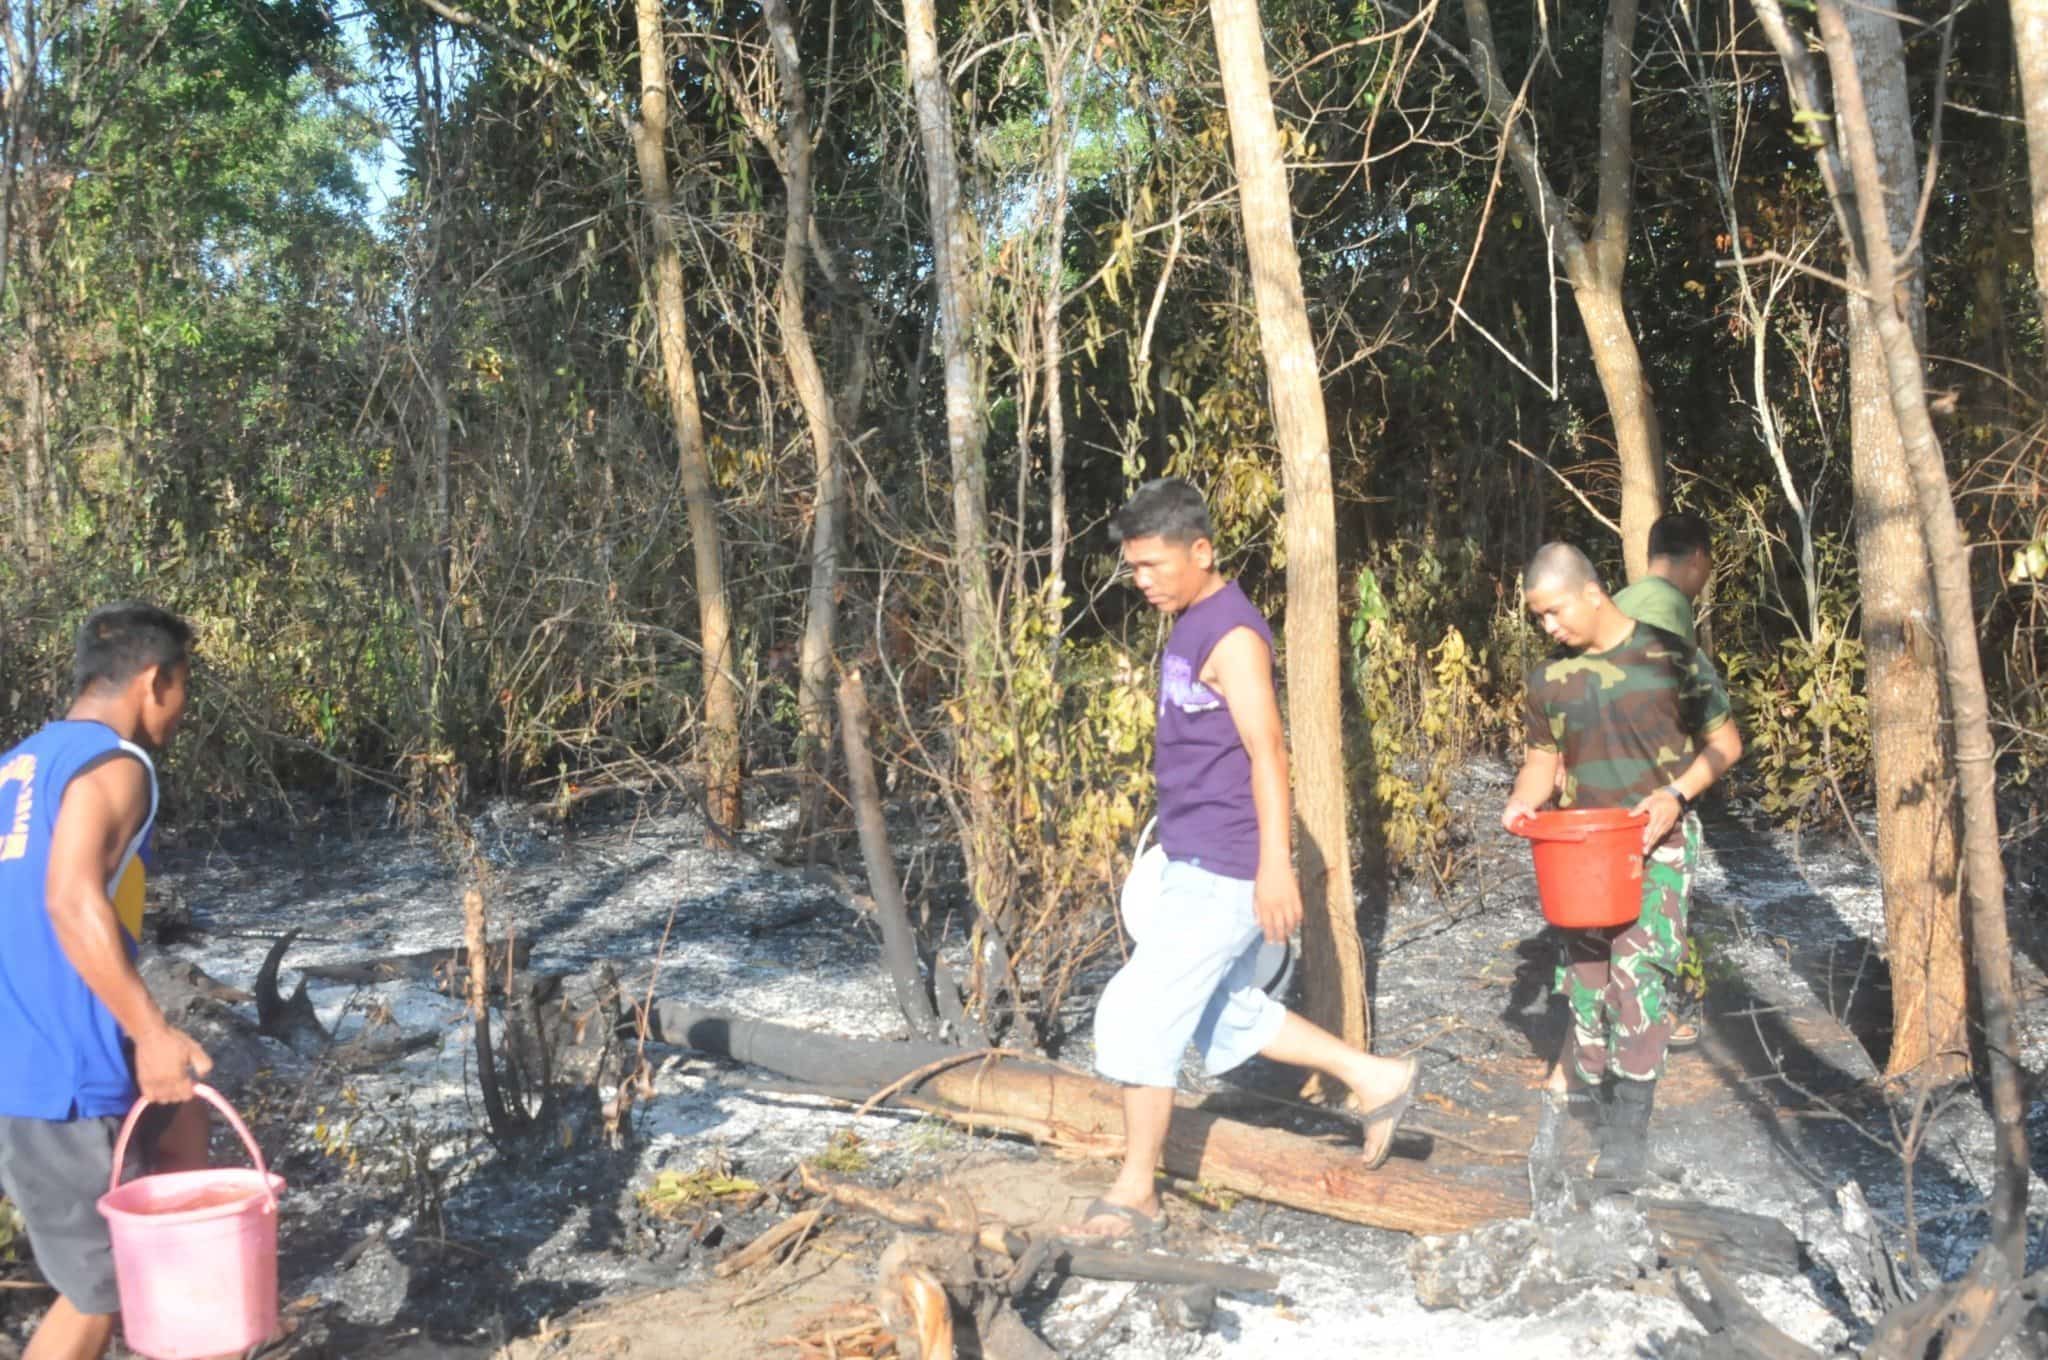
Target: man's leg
(55, 1171)
(1147, 1111)
(67, 1334)
(1375, 1082)
(1584, 977)
(1150, 1010)
(1644, 976)
(180, 1142)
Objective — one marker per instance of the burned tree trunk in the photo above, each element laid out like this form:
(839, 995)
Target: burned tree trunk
(899, 942)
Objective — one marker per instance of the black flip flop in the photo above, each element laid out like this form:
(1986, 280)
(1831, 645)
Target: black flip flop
(1390, 1111)
(1144, 1227)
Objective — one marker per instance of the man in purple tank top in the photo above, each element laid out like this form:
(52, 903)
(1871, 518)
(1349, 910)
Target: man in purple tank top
(1225, 823)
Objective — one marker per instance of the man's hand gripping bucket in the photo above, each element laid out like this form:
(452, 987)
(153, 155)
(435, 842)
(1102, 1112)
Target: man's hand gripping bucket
(195, 1252)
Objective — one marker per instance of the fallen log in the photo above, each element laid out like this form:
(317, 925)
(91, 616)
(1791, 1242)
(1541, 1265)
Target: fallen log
(1080, 1114)
(449, 967)
(1152, 1267)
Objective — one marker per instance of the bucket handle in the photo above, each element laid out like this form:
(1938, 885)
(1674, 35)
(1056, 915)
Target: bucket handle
(227, 1112)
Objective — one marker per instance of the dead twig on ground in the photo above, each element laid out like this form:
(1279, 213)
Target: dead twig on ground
(795, 1227)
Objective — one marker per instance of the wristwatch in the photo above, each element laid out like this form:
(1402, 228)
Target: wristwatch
(1684, 803)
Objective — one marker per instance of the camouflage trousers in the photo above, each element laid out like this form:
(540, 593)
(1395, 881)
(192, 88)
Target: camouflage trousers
(1620, 982)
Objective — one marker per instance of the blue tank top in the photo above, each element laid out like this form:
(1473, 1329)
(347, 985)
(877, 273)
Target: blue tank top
(65, 1053)
(1206, 816)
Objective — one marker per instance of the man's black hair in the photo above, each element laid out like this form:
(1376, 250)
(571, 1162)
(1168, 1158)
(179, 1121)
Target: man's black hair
(117, 642)
(1169, 508)
(1677, 537)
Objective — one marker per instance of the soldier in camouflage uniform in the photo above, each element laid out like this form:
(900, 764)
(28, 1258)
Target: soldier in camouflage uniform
(1629, 716)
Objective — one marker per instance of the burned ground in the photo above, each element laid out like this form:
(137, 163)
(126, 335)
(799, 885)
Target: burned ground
(408, 1230)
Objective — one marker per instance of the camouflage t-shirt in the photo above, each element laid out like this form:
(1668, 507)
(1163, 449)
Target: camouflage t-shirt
(1655, 601)
(1627, 720)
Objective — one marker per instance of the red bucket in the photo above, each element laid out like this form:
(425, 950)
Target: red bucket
(1589, 865)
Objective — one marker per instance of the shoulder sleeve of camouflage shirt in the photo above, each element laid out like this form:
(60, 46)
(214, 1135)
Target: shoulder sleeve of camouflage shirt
(1702, 701)
(1536, 730)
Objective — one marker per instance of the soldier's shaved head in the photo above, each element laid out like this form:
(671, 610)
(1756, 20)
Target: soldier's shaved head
(1559, 566)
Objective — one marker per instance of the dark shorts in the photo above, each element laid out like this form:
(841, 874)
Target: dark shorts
(55, 1171)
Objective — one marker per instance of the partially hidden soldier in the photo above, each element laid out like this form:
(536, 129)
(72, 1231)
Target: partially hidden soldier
(1228, 886)
(1681, 560)
(1628, 716)
(80, 1030)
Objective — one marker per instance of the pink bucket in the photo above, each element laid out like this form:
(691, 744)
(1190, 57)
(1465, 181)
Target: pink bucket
(195, 1252)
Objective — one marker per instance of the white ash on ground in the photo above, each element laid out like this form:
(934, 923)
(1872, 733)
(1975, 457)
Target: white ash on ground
(495, 1240)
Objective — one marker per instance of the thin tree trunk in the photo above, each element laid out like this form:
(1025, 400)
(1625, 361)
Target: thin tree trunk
(1333, 956)
(1056, 55)
(821, 601)
(954, 282)
(1855, 150)
(1915, 771)
(433, 344)
(1638, 437)
(27, 382)
(892, 914)
(954, 279)
(1595, 264)
(2030, 45)
(721, 740)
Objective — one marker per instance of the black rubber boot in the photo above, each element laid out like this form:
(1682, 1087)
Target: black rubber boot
(1625, 1139)
(1586, 1106)
(1589, 1104)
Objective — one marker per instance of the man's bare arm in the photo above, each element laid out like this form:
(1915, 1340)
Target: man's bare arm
(1534, 786)
(1719, 750)
(1240, 668)
(101, 811)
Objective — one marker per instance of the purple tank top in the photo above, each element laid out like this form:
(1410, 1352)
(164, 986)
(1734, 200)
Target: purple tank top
(1206, 814)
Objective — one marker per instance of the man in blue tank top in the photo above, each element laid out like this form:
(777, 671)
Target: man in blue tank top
(1226, 825)
(81, 1032)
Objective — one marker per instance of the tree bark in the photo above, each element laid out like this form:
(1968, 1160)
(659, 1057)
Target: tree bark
(2030, 45)
(1983, 870)
(720, 744)
(1333, 956)
(1056, 53)
(821, 601)
(1914, 766)
(1595, 264)
(955, 282)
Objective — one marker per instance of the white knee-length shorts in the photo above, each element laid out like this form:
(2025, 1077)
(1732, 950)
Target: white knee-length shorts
(1193, 978)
